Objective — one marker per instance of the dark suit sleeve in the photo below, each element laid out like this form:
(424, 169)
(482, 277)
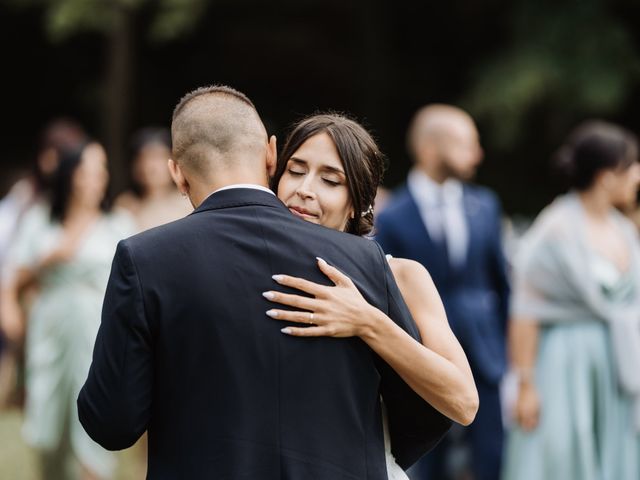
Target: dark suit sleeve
(415, 427)
(114, 403)
(499, 271)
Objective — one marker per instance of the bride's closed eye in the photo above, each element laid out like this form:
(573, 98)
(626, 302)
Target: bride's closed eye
(295, 173)
(332, 183)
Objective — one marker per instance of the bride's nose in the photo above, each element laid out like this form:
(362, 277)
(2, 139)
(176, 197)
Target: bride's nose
(304, 190)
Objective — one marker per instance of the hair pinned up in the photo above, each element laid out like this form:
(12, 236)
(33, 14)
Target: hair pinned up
(591, 147)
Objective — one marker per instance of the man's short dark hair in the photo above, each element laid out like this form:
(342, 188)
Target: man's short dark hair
(215, 122)
(211, 89)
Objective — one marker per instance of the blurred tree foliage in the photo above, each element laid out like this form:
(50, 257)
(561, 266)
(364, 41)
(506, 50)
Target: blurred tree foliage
(64, 18)
(116, 20)
(527, 70)
(573, 58)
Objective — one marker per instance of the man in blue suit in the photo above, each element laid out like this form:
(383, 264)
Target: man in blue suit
(454, 229)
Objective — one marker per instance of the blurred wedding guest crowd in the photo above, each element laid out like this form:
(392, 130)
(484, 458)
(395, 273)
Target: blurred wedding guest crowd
(58, 234)
(551, 331)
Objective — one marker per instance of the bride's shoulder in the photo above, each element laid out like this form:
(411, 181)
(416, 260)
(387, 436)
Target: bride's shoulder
(407, 271)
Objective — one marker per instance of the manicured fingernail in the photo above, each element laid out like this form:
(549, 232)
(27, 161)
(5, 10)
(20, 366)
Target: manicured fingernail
(272, 313)
(286, 330)
(277, 278)
(320, 260)
(268, 295)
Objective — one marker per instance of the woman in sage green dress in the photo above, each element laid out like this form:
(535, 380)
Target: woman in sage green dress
(575, 330)
(67, 251)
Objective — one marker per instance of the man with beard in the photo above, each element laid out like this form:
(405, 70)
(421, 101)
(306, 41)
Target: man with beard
(454, 229)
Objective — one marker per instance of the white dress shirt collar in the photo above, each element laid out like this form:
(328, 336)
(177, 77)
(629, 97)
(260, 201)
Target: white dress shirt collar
(426, 191)
(441, 208)
(243, 185)
(252, 186)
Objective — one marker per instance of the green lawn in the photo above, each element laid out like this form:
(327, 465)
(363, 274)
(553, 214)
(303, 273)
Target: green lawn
(18, 462)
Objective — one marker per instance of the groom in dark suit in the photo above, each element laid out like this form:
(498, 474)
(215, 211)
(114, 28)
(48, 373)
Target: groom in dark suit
(452, 227)
(186, 351)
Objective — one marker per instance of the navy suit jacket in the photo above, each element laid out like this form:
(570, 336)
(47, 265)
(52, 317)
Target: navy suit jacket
(475, 294)
(186, 351)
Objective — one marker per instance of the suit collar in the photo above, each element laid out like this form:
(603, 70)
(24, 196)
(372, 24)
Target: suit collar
(244, 185)
(237, 197)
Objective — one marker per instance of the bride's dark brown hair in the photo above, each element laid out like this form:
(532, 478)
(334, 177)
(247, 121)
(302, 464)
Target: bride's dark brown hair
(361, 158)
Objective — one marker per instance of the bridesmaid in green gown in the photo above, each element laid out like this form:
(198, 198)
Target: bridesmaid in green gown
(575, 330)
(66, 251)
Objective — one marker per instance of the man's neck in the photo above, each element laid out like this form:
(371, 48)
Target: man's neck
(438, 175)
(200, 194)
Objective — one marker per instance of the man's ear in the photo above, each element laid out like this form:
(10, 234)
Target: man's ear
(178, 177)
(272, 156)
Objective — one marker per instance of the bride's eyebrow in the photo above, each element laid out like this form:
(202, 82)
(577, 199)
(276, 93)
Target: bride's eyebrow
(297, 160)
(334, 170)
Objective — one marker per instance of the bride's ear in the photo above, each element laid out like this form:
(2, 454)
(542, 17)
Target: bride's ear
(178, 177)
(272, 156)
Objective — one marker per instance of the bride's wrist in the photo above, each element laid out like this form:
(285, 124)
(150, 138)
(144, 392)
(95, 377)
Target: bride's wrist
(372, 324)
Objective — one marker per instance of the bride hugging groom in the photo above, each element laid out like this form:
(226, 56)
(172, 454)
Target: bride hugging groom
(264, 336)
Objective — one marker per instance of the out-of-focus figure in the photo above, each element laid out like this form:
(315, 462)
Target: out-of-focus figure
(60, 133)
(31, 192)
(634, 216)
(575, 330)
(153, 199)
(383, 196)
(454, 229)
(66, 249)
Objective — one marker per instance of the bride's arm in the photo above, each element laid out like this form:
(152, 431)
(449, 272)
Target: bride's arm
(438, 370)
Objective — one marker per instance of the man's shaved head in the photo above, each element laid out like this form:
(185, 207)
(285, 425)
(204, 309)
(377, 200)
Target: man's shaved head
(444, 140)
(215, 128)
(434, 121)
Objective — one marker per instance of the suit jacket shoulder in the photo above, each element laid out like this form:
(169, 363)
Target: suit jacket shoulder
(483, 195)
(397, 204)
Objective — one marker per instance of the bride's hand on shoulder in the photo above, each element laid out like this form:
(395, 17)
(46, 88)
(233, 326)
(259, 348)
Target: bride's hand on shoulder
(334, 311)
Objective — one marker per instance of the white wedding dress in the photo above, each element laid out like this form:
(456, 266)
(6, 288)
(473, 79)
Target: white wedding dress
(394, 472)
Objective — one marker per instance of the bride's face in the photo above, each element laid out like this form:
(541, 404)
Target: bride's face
(314, 185)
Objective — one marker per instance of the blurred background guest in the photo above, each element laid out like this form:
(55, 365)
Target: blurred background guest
(30, 192)
(453, 228)
(382, 198)
(634, 216)
(575, 335)
(153, 198)
(66, 250)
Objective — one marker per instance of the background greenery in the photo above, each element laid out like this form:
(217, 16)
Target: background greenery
(527, 70)
(18, 462)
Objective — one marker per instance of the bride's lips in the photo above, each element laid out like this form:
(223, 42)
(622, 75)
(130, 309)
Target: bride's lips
(302, 212)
